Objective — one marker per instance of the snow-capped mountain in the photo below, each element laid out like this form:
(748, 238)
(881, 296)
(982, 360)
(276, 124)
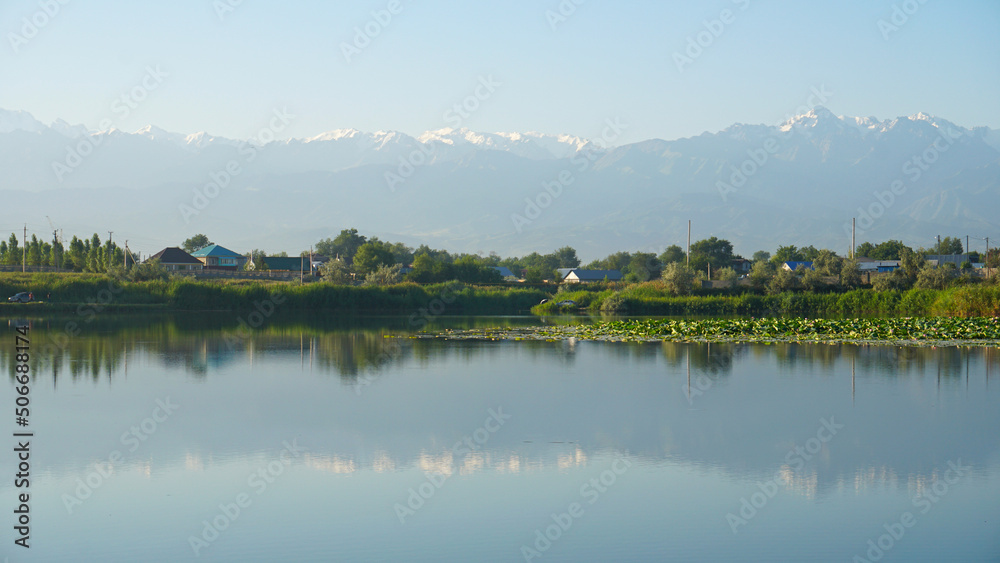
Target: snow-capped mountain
(798, 182)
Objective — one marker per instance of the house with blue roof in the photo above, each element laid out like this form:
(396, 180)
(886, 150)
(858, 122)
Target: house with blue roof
(795, 265)
(215, 257)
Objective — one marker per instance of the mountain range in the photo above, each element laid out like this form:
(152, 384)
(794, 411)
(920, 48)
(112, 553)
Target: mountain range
(799, 182)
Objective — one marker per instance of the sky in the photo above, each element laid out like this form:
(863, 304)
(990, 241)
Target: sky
(667, 69)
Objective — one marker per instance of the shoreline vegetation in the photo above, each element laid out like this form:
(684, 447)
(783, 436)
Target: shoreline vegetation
(97, 293)
(908, 331)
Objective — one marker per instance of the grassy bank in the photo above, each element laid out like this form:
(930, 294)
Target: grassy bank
(652, 298)
(96, 293)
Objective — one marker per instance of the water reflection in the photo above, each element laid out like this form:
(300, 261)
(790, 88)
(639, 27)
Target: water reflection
(703, 424)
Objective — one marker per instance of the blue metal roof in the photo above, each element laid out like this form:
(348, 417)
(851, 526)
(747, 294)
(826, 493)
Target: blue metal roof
(215, 250)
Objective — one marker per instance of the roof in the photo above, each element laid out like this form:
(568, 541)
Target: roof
(563, 272)
(504, 271)
(792, 265)
(174, 255)
(215, 251)
(595, 275)
(291, 263)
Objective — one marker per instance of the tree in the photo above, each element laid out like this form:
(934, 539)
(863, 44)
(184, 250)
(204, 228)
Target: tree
(644, 266)
(784, 280)
(865, 249)
(566, 256)
(934, 278)
(827, 263)
(910, 263)
(728, 274)
(787, 254)
(672, 254)
(196, 242)
(401, 253)
(761, 273)
(13, 254)
(371, 255)
(336, 271)
(850, 274)
(678, 278)
(892, 281)
(813, 280)
(384, 275)
(711, 251)
(889, 250)
(761, 256)
(949, 245)
(345, 246)
(809, 253)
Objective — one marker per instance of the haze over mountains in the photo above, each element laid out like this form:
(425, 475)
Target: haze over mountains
(759, 186)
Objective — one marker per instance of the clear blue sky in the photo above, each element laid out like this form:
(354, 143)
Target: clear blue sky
(606, 60)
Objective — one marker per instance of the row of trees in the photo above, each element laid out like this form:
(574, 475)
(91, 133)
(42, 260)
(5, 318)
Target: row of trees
(83, 255)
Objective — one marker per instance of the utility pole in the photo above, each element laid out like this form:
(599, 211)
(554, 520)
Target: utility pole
(854, 226)
(689, 244)
(125, 262)
(109, 237)
(966, 244)
(938, 249)
(24, 249)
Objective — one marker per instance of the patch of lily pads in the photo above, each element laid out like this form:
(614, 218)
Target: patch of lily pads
(914, 331)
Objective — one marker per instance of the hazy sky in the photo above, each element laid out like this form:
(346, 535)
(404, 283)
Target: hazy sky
(227, 68)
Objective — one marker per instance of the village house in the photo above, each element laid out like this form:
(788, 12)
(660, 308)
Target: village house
(215, 257)
(175, 259)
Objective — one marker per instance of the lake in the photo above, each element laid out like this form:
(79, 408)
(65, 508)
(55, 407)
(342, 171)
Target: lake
(190, 437)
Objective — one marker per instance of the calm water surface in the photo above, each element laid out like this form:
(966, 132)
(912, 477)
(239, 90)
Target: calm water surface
(185, 438)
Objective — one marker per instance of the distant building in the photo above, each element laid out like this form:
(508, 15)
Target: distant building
(942, 259)
(795, 265)
(881, 266)
(742, 265)
(175, 259)
(297, 264)
(215, 257)
(505, 273)
(577, 275)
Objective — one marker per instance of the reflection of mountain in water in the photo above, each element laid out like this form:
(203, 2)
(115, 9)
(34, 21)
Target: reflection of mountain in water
(736, 408)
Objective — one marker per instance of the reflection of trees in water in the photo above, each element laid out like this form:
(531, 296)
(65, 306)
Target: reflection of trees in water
(713, 358)
(354, 348)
